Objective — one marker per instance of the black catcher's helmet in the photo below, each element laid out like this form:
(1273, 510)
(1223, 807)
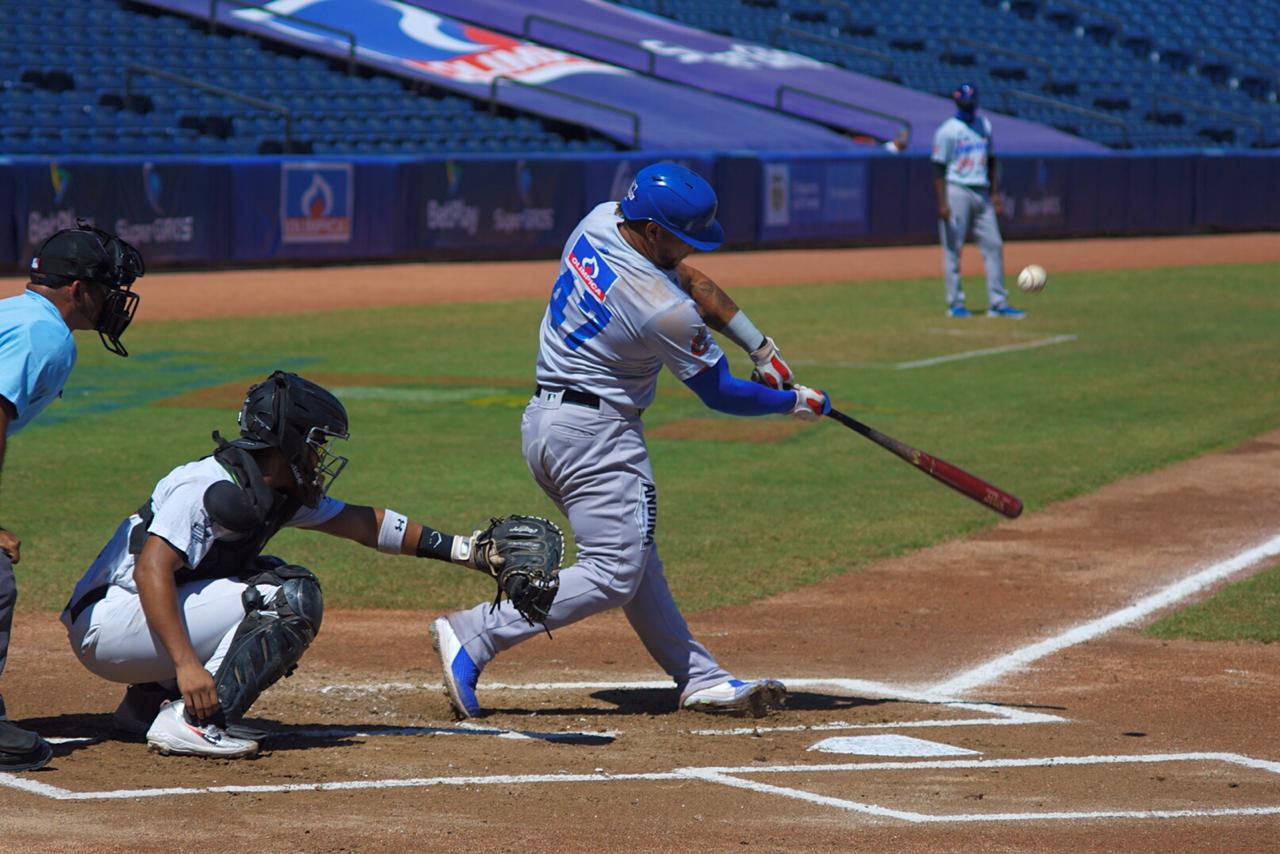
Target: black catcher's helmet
(297, 417)
(93, 255)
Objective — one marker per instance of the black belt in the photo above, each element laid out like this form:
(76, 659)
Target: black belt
(89, 599)
(572, 395)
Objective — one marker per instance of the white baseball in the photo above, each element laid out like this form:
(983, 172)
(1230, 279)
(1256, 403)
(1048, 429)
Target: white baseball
(1032, 278)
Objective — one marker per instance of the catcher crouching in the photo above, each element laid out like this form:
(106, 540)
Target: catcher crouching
(182, 605)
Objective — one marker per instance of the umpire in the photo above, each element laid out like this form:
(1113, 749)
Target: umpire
(80, 279)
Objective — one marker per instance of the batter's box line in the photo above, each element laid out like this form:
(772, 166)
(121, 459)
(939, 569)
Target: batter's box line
(727, 776)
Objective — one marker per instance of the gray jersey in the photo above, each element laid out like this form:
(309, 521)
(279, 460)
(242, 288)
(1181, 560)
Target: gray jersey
(964, 150)
(615, 319)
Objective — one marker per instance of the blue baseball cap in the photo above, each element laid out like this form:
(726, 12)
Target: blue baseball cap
(965, 96)
(678, 199)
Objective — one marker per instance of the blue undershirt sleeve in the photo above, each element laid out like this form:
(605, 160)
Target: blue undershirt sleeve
(723, 392)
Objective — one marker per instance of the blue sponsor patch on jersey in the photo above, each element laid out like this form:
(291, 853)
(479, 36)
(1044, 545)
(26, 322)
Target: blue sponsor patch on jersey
(592, 269)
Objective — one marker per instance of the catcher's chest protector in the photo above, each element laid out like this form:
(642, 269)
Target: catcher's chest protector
(228, 558)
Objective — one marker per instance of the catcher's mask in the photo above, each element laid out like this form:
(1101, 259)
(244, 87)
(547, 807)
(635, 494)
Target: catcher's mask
(297, 417)
(93, 255)
(966, 99)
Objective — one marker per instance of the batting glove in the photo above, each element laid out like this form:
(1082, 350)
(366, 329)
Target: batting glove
(770, 369)
(811, 403)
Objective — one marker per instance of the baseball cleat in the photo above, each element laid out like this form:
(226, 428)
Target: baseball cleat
(959, 310)
(736, 697)
(139, 707)
(1006, 310)
(22, 750)
(460, 672)
(172, 733)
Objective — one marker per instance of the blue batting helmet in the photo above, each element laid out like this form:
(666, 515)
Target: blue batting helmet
(677, 199)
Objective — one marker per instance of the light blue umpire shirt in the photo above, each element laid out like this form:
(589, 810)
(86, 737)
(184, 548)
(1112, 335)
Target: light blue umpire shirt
(37, 353)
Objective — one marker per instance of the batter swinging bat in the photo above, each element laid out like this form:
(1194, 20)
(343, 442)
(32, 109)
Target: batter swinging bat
(956, 478)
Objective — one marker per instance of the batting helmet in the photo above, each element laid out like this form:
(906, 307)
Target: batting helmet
(679, 200)
(93, 255)
(297, 417)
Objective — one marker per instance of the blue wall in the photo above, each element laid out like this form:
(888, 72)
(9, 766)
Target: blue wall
(210, 212)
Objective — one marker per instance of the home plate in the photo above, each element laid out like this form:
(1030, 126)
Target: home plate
(888, 745)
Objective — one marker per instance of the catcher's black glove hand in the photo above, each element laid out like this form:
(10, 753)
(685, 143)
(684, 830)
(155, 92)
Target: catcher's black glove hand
(523, 554)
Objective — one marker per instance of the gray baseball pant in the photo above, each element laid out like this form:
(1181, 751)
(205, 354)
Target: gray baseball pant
(8, 598)
(971, 206)
(595, 466)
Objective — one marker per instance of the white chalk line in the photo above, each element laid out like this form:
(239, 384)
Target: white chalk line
(944, 694)
(939, 360)
(1172, 594)
(725, 776)
(734, 776)
(986, 351)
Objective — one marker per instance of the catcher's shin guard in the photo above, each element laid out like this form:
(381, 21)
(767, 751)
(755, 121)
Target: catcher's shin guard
(270, 639)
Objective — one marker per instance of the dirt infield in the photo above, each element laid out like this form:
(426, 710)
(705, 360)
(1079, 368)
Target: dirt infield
(184, 296)
(986, 693)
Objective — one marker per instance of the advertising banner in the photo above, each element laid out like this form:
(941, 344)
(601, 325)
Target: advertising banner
(1035, 195)
(170, 210)
(807, 198)
(506, 206)
(318, 209)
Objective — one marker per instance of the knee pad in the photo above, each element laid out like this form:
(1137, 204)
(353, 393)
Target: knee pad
(270, 639)
(302, 596)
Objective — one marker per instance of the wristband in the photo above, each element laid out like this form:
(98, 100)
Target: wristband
(436, 545)
(741, 331)
(391, 534)
(461, 551)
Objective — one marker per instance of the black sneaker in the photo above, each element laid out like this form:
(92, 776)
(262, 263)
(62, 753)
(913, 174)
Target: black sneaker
(21, 750)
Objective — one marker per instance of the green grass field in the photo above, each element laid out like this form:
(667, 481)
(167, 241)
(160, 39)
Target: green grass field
(1166, 365)
(1247, 610)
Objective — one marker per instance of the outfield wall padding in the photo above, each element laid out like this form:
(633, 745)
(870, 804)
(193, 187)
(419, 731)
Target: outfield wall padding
(202, 212)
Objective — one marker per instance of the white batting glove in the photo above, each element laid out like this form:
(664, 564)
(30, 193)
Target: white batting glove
(770, 369)
(811, 403)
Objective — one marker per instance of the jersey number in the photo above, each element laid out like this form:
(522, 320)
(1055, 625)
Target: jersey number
(597, 316)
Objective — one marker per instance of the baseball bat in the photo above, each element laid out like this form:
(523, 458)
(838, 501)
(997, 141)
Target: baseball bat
(955, 477)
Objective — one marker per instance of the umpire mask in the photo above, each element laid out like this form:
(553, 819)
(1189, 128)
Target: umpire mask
(93, 255)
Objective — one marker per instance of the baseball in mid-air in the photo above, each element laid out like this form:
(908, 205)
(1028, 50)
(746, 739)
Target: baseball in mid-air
(1032, 278)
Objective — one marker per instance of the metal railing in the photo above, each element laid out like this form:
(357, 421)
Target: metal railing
(987, 47)
(780, 92)
(348, 36)
(650, 56)
(1194, 106)
(649, 67)
(1092, 115)
(494, 103)
(133, 71)
(805, 35)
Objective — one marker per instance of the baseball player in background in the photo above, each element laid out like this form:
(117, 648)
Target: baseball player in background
(622, 307)
(968, 194)
(182, 605)
(80, 280)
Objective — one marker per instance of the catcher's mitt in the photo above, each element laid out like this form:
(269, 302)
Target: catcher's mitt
(523, 554)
